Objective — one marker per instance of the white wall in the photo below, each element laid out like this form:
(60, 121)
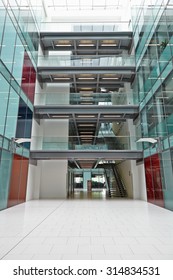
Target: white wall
(53, 179)
(124, 169)
(49, 178)
(33, 183)
(134, 179)
(139, 182)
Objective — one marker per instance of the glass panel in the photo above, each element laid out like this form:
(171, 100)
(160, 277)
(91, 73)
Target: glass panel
(9, 42)
(18, 61)
(2, 20)
(5, 172)
(4, 94)
(12, 114)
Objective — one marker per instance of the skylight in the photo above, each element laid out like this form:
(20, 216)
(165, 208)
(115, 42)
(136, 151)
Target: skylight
(67, 5)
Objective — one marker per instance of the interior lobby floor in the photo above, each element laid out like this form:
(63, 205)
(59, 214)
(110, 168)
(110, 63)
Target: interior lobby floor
(86, 229)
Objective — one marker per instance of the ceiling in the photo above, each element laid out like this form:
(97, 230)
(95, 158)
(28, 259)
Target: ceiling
(79, 42)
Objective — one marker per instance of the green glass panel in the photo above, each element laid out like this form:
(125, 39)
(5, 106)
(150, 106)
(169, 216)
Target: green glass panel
(4, 93)
(12, 114)
(5, 173)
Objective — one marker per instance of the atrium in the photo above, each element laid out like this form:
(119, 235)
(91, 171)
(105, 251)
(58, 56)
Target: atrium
(86, 119)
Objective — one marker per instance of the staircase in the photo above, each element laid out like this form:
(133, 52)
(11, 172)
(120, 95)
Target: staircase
(115, 184)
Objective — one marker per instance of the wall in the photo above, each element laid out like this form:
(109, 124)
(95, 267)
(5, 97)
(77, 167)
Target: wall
(18, 183)
(124, 169)
(53, 179)
(154, 180)
(33, 184)
(139, 182)
(49, 178)
(134, 179)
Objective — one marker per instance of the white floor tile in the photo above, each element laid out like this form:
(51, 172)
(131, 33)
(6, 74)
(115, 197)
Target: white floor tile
(46, 257)
(135, 257)
(76, 257)
(106, 257)
(85, 229)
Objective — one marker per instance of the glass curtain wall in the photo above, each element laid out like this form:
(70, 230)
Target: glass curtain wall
(153, 37)
(19, 40)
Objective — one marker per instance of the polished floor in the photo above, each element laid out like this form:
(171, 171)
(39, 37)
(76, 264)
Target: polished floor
(86, 229)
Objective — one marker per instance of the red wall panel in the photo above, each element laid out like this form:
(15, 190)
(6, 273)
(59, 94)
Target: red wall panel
(28, 78)
(149, 180)
(157, 180)
(153, 180)
(18, 183)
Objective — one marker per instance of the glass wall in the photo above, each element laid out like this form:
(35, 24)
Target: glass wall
(153, 47)
(19, 42)
(5, 174)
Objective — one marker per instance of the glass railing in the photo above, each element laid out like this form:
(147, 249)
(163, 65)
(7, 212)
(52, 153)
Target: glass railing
(117, 26)
(110, 98)
(5, 143)
(13, 147)
(86, 61)
(85, 143)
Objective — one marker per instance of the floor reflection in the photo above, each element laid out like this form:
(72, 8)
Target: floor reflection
(94, 194)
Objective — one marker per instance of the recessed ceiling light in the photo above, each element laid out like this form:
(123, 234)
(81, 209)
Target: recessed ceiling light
(86, 116)
(59, 116)
(108, 45)
(86, 124)
(113, 78)
(86, 78)
(61, 78)
(86, 45)
(86, 88)
(111, 116)
(63, 45)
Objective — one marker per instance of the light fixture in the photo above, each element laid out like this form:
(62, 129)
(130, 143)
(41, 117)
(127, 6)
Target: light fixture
(22, 140)
(86, 78)
(150, 140)
(61, 78)
(111, 116)
(63, 45)
(86, 116)
(86, 88)
(113, 78)
(86, 125)
(86, 45)
(109, 45)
